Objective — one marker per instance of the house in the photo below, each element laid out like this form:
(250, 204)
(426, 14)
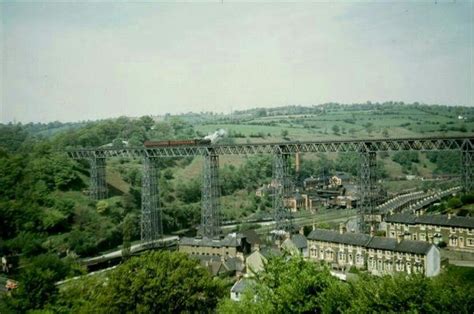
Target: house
(313, 183)
(339, 179)
(296, 244)
(255, 262)
(387, 256)
(456, 232)
(296, 202)
(339, 249)
(232, 245)
(346, 201)
(253, 239)
(221, 266)
(239, 288)
(377, 255)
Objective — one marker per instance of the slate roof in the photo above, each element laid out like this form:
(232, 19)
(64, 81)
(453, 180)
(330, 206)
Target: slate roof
(234, 264)
(436, 220)
(251, 237)
(381, 243)
(229, 240)
(418, 247)
(378, 243)
(242, 284)
(299, 241)
(269, 252)
(401, 218)
(336, 237)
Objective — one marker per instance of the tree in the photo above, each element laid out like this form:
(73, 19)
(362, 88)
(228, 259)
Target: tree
(127, 232)
(335, 129)
(162, 281)
(37, 282)
(287, 285)
(284, 133)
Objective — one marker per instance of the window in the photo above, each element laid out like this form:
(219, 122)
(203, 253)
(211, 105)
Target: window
(359, 259)
(409, 267)
(399, 266)
(379, 265)
(371, 263)
(341, 257)
(392, 234)
(422, 237)
(414, 237)
(470, 241)
(453, 241)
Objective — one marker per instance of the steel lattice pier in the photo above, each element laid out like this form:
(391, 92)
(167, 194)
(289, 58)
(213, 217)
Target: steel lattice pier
(210, 212)
(151, 223)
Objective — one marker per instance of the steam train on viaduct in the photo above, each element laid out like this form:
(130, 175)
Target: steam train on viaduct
(194, 142)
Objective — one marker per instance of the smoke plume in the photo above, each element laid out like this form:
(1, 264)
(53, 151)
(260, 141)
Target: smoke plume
(216, 136)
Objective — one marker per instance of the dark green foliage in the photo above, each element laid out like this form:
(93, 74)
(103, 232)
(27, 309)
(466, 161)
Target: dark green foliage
(286, 286)
(406, 159)
(37, 282)
(454, 202)
(446, 162)
(157, 282)
(467, 198)
(291, 285)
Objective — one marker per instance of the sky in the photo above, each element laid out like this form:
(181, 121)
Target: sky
(79, 61)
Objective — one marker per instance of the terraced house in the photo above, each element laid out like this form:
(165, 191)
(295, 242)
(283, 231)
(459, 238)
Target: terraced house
(456, 232)
(378, 255)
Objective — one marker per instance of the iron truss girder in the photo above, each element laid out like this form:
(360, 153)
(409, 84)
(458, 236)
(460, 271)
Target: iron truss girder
(377, 145)
(151, 219)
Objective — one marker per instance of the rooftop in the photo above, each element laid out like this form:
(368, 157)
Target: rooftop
(379, 243)
(337, 237)
(436, 220)
(231, 240)
(242, 284)
(299, 241)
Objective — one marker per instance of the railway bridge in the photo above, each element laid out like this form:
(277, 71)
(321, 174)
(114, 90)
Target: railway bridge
(151, 224)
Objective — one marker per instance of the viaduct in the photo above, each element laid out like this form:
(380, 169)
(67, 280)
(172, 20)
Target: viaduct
(151, 224)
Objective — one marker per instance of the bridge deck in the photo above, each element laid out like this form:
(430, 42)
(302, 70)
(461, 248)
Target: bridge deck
(349, 145)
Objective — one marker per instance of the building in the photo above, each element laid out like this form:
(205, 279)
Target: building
(343, 201)
(339, 179)
(255, 262)
(253, 239)
(221, 266)
(312, 183)
(456, 232)
(296, 244)
(232, 245)
(297, 202)
(378, 255)
(239, 288)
